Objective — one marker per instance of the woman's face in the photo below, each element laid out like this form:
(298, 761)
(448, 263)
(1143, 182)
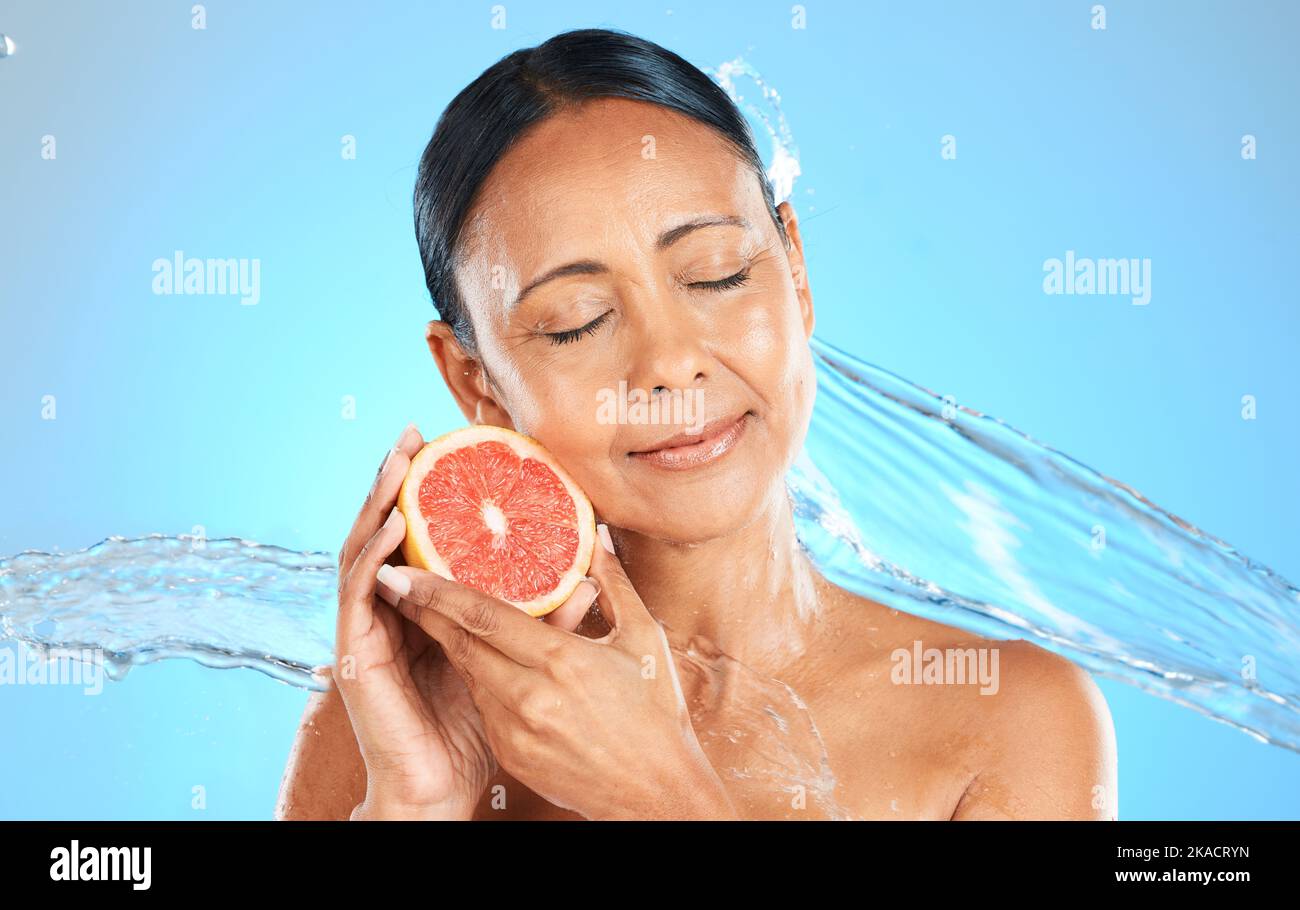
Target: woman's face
(622, 251)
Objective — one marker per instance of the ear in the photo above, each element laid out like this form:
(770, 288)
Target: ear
(798, 266)
(465, 378)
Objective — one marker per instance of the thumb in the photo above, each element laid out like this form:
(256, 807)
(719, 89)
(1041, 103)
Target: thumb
(570, 614)
(619, 603)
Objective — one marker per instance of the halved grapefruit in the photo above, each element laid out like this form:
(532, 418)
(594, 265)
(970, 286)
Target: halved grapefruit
(492, 509)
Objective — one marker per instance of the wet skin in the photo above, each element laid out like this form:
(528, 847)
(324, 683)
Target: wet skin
(707, 541)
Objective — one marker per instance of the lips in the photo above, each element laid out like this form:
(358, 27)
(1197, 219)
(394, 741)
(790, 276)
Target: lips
(708, 431)
(688, 450)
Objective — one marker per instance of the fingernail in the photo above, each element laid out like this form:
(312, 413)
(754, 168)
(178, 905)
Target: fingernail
(594, 585)
(394, 519)
(387, 459)
(401, 438)
(399, 583)
(603, 533)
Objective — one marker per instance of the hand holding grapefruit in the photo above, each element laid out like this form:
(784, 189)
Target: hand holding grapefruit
(415, 724)
(493, 510)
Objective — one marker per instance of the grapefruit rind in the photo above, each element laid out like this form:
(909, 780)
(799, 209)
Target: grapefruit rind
(419, 551)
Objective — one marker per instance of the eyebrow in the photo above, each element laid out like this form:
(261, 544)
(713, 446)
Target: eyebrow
(592, 267)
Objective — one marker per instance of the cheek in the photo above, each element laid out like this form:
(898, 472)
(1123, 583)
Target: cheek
(559, 407)
(759, 337)
(803, 390)
(768, 340)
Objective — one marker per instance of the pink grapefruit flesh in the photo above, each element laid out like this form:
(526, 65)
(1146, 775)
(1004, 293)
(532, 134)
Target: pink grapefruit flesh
(492, 509)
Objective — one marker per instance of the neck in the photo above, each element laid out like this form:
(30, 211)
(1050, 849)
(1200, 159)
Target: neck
(752, 593)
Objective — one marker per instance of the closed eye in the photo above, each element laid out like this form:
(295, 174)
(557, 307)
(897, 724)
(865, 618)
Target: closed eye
(574, 334)
(722, 284)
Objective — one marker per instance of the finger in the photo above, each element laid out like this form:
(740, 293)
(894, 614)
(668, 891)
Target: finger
(387, 594)
(570, 614)
(498, 685)
(619, 603)
(480, 665)
(496, 624)
(382, 495)
(356, 594)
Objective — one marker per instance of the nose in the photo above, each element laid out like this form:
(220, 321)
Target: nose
(671, 352)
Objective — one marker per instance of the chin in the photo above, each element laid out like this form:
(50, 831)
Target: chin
(686, 513)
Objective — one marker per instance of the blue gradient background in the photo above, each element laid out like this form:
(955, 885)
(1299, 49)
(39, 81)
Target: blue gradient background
(225, 142)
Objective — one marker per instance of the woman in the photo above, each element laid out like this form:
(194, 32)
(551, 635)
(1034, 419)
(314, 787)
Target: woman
(592, 212)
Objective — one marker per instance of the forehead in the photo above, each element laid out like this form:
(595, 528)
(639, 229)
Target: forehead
(613, 169)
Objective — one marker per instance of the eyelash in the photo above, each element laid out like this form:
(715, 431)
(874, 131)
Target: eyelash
(574, 334)
(722, 284)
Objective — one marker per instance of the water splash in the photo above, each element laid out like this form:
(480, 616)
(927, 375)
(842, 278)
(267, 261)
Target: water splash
(1015, 540)
(222, 602)
(783, 168)
(759, 733)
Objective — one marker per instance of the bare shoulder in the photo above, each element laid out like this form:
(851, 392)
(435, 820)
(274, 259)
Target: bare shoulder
(988, 728)
(1054, 756)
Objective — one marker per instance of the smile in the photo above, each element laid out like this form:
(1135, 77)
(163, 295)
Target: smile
(685, 451)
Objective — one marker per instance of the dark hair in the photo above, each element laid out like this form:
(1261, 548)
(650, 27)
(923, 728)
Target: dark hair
(524, 88)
